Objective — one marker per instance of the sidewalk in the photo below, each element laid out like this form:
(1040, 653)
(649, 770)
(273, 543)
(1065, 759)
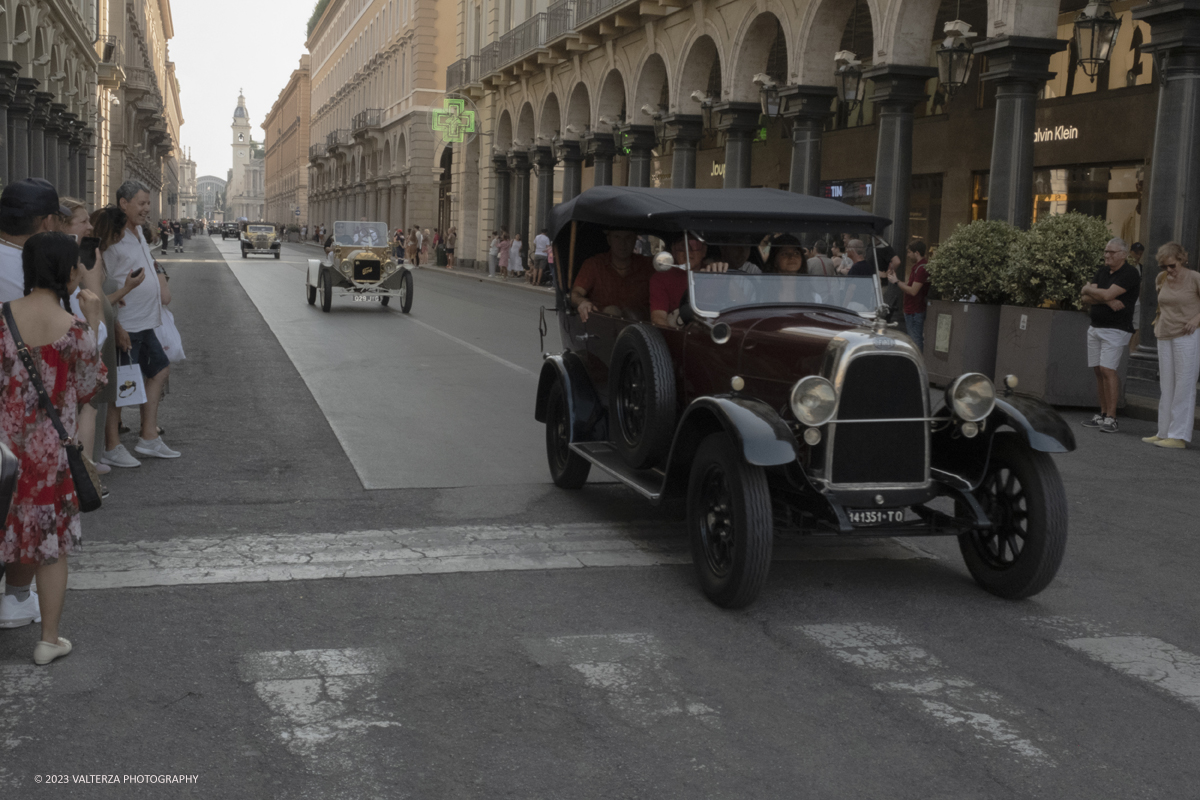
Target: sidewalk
(474, 274)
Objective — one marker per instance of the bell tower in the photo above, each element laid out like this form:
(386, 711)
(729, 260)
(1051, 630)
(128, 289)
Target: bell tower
(238, 190)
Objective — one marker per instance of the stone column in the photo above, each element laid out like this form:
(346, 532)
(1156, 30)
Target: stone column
(37, 134)
(1019, 66)
(1172, 198)
(75, 179)
(19, 112)
(601, 148)
(808, 108)
(8, 89)
(518, 162)
(684, 131)
(640, 140)
(898, 88)
(503, 191)
(543, 159)
(572, 160)
(54, 128)
(739, 121)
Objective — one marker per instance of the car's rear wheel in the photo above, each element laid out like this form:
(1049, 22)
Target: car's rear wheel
(1023, 496)
(244, 254)
(383, 301)
(568, 469)
(312, 294)
(326, 293)
(406, 292)
(276, 255)
(729, 523)
(641, 396)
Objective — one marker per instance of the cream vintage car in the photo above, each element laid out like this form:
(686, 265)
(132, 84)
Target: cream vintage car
(359, 263)
(259, 239)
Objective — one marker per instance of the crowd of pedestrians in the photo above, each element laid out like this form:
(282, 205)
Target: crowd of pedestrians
(81, 295)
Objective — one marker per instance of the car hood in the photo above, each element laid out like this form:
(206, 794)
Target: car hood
(787, 345)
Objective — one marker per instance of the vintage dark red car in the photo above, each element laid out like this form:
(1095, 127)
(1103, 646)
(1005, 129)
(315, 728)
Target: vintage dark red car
(783, 402)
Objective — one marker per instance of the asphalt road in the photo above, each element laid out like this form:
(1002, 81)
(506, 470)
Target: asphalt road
(359, 582)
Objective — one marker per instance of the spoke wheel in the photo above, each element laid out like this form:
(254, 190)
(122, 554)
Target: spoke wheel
(631, 402)
(1022, 494)
(406, 292)
(729, 523)
(568, 469)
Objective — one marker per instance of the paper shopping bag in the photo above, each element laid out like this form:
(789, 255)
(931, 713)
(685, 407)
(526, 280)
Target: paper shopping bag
(131, 386)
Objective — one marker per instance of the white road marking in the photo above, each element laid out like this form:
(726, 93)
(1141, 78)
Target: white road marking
(471, 347)
(955, 702)
(324, 704)
(630, 670)
(1158, 663)
(262, 557)
(22, 686)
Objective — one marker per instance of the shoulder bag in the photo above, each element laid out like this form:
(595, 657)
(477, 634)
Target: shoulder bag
(83, 474)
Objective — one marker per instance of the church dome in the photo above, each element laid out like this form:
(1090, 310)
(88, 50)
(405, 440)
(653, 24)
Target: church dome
(240, 112)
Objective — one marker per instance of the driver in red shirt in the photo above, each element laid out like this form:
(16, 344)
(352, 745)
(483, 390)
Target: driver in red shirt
(614, 283)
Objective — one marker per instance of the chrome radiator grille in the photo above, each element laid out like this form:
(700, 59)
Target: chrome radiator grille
(880, 386)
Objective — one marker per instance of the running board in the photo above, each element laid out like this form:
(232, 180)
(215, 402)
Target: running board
(648, 483)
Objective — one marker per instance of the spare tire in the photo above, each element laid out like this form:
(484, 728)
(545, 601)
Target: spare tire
(641, 396)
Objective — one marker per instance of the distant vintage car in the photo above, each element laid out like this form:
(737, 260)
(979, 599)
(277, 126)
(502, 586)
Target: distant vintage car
(260, 239)
(230, 230)
(785, 403)
(361, 264)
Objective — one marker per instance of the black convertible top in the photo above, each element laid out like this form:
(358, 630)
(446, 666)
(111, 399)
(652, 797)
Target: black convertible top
(709, 210)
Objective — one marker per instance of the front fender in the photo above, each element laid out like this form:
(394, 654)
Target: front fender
(583, 404)
(313, 272)
(759, 433)
(1039, 424)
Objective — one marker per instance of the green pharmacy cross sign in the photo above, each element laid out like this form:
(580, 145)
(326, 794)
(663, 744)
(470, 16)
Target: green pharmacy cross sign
(454, 120)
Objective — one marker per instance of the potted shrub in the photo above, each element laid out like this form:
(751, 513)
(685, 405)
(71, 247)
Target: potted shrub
(968, 276)
(293, 232)
(1043, 328)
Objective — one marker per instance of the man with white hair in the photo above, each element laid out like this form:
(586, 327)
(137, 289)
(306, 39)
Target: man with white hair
(1111, 297)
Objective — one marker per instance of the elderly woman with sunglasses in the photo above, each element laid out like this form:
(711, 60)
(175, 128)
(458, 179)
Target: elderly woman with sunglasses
(1177, 328)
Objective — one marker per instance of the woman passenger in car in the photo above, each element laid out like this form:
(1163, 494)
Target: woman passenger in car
(616, 282)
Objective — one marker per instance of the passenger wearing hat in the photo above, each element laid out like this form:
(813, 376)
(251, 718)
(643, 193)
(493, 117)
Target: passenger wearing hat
(26, 207)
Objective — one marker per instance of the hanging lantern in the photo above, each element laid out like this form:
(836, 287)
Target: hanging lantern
(848, 70)
(955, 56)
(768, 95)
(1096, 30)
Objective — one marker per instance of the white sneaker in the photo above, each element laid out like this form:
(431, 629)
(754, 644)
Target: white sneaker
(14, 614)
(119, 457)
(155, 448)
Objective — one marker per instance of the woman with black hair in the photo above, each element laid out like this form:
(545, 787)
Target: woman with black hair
(787, 256)
(42, 527)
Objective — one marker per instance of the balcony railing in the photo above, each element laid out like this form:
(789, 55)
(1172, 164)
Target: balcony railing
(141, 78)
(369, 118)
(586, 9)
(335, 138)
(523, 39)
(317, 151)
(560, 18)
(489, 58)
(462, 73)
(109, 50)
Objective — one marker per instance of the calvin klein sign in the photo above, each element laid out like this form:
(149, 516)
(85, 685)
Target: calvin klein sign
(1059, 133)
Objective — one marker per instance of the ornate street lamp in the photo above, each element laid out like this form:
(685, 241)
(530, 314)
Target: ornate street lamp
(768, 95)
(656, 114)
(1096, 30)
(955, 56)
(848, 70)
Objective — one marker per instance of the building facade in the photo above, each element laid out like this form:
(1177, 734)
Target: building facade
(211, 193)
(377, 70)
(139, 103)
(188, 196)
(287, 141)
(48, 96)
(245, 196)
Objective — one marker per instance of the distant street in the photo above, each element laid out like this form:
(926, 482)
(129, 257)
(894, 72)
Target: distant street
(358, 582)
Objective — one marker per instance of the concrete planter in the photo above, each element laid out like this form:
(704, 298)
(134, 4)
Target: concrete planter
(1047, 350)
(960, 337)
(293, 237)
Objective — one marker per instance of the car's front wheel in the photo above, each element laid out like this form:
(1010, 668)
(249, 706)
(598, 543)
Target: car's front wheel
(568, 469)
(276, 255)
(406, 292)
(326, 293)
(729, 523)
(1023, 496)
(312, 294)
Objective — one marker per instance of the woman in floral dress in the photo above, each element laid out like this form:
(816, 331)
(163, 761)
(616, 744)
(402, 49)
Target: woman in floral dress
(43, 524)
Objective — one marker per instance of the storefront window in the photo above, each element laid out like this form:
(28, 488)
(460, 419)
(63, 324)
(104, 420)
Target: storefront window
(925, 209)
(979, 196)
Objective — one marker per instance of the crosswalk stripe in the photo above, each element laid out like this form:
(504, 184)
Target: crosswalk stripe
(951, 700)
(263, 557)
(1151, 660)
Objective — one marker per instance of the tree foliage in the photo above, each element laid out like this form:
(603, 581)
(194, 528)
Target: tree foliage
(1053, 261)
(972, 262)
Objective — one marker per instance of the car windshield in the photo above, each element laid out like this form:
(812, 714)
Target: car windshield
(362, 234)
(832, 268)
(261, 229)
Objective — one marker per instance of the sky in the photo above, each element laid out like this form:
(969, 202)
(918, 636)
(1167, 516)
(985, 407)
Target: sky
(215, 56)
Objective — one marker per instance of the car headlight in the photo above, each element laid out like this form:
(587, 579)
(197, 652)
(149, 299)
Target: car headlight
(813, 400)
(972, 397)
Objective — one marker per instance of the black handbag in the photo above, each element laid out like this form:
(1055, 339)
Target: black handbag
(87, 484)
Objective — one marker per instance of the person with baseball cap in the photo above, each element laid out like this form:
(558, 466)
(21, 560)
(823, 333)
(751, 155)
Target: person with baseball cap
(27, 207)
